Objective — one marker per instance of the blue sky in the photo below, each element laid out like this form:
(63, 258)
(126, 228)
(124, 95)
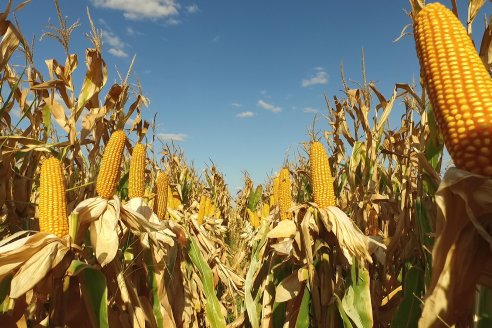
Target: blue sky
(238, 82)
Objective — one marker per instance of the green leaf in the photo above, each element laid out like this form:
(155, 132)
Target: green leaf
(154, 289)
(303, 316)
(47, 118)
(94, 292)
(345, 319)
(357, 299)
(409, 311)
(484, 308)
(253, 307)
(4, 293)
(212, 307)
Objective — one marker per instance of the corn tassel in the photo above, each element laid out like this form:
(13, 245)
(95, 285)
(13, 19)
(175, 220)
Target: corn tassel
(459, 87)
(109, 173)
(52, 201)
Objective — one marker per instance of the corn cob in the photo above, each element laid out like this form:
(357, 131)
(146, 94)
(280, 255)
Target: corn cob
(176, 199)
(322, 181)
(459, 87)
(253, 218)
(265, 210)
(109, 173)
(160, 203)
(275, 190)
(52, 202)
(284, 194)
(136, 178)
(201, 209)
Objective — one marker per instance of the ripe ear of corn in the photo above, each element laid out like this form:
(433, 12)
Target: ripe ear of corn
(275, 190)
(136, 178)
(284, 194)
(110, 170)
(322, 181)
(52, 201)
(265, 210)
(253, 218)
(459, 87)
(201, 209)
(160, 202)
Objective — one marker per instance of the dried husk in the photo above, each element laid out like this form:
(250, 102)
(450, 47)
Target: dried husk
(462, 251)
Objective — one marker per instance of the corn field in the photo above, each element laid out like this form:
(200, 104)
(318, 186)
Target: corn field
(368, 225)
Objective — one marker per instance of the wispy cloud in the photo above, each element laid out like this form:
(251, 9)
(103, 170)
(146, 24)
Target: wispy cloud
(235, 104)
(138, 9)
(310, 110)
(321, 77)
(192, 9)
(173, 21)
(216, 39)
(116, 44)
(131, 32)
(172, 136)
(274, 109)
(118, 52)
(245, 114)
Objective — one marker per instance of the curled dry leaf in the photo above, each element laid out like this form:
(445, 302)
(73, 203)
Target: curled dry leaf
(462, 250)
(31, 258)
(352, 241)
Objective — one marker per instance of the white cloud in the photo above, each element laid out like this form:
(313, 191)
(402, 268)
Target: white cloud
(116, 44)
(310, 110)
(173, 21)
(192, 9)
(138, 9)
(245, 114)
(131, 32)
(118, 52)
(270, 107)
(172, 136)
(113, 40)
(321, 77)
(236, 105)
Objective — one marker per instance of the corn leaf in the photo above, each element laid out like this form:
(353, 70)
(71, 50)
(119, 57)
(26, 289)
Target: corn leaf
(409, 311)
(212, 308)
(303, 316)
(94, 292)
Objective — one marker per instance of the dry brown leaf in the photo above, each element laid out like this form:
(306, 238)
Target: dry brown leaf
(104, 236)
(462, 248)
(288, 288)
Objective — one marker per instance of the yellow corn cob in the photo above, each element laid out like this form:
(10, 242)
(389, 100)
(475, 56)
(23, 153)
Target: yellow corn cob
(284, 194)
(52, 202)
(136, 178)
(265, 210)
(169, 199)
(322, 181)
(459, 87)
(211, 209)
(109, 173)
(253, 218)
(201, 209)
(275, 190)
(207, 206)
(160, 202)
(176, 200)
